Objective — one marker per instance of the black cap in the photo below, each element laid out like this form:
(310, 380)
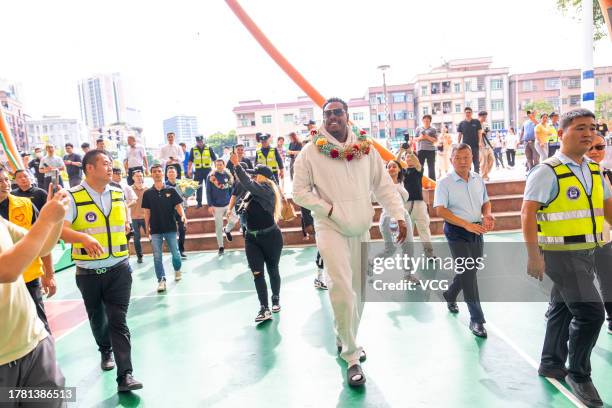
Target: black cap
(262, 136)
(263, 170)
(199, 138)
(310, 122)
(24, 154)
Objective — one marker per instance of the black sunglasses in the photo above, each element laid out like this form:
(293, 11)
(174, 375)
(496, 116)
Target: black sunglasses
(597, 147)
(336, 112)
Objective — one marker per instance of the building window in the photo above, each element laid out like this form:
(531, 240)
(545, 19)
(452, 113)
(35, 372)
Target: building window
(497, 105)
(380, 98)
(382, 133)
(409, 97)
(381, 117)
(574, 82)
(497, 125)
(468, 86)
(482, 104)
(574, 100)
(45, 129)
(288, 118)
(424, 91)
(457, 87)
(410, 115)
(244, 122)
(480, 82)
(436, 109)
(425, 110)
(373, 118)
(609, 79)
(372, 99)
(357, 115)
(400, 115)
(446, 87)
(528, 86)
(554, 101)
(497, 84)
(446, 107)
(551, 83)
(468, 104)
(457, 108)
(399, 132)
(398, 97)
(266, 120)
(435, 88)
(564, 101)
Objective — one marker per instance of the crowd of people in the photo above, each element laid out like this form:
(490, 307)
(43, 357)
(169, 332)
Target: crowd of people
(337, 174)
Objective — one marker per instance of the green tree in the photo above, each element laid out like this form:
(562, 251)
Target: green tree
(603, 106)
(539, 106)
(218, 140)
(575, 6)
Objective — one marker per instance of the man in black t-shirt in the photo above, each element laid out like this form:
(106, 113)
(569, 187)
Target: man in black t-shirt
(470, 132)
(73, 165)
(34, 166)
(239, 150)
(159, 203)
(38, 196)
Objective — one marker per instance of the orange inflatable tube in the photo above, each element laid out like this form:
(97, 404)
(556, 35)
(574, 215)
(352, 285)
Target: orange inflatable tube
(9, 146)
(293, 73)
(606, 10)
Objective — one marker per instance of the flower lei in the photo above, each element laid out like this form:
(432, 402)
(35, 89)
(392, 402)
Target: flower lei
(354, 151)
(222, 186)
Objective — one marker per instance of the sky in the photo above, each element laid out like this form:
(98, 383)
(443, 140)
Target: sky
(195, 58)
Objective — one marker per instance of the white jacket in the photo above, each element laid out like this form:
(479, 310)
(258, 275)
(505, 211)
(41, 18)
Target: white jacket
(320, 182)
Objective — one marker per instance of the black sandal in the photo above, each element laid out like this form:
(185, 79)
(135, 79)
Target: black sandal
(362, 356)
(353, 371)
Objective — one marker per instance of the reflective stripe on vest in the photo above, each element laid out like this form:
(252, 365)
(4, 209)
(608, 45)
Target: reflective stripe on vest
(269, 160)
(573, 220)
(109, 230)
(20, 213)
(202, 160)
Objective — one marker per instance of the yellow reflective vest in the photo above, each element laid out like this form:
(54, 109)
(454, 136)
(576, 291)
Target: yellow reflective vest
(20, 213)
(202, 160)
(109, 230)
(573, 220)
(269, 160)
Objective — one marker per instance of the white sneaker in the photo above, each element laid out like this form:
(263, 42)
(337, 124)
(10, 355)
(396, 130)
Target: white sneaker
(161, 286)
(178, 276)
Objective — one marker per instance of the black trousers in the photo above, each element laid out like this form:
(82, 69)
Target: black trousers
(576, 315)
(552, 148)
(36, 292)
(603, 269)
(138, 226)
(265, 249)
(49, 180)
(475, 157)
(465, 244)
(131, 171)
(107, 298)
(510, 155)
(200, 175)
(181, 232)
(428, 156)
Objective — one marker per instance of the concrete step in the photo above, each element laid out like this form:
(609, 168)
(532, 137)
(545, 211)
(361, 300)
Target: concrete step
(508, 220)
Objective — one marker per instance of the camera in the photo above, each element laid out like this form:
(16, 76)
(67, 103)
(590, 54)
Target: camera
(406, 143)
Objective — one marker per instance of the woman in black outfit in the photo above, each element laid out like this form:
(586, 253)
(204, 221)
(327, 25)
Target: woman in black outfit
(263, 239)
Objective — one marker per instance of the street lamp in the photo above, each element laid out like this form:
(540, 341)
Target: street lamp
(383, 68)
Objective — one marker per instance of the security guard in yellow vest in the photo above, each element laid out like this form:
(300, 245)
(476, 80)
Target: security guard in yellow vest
(96, 226)
(201, 158)
(564, 207)
(553, 139)
(20, 211)
(269, 156)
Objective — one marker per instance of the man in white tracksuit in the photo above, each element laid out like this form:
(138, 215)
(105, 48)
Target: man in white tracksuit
(334, 177)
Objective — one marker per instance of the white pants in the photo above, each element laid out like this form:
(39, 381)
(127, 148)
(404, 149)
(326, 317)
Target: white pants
(385, 231)
(542, 150)
(419, 215)
(342, 257)
(219, 213)
(232, 220)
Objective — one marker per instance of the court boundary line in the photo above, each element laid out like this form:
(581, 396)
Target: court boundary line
(571, 397)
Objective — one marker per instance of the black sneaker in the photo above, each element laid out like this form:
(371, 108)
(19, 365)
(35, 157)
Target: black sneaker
(108, 363)
(264, 314)
(221, 251)
(228, 235)
(275, 304)
(127, 383)
(139, 259)
(183, 256)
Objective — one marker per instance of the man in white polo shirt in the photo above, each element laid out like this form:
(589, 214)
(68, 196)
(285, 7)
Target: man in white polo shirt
(27, 352)
(136, 159)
